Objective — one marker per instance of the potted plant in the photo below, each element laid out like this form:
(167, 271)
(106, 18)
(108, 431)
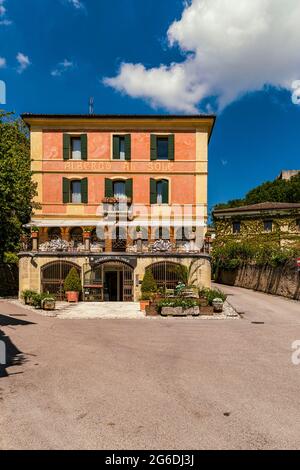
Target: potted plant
(87, 232)
(34, 232)
(72, 286)
(148, 288)
(138, 232)
(27, 296)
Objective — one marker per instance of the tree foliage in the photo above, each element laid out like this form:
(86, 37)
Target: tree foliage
(72, 282)
(16, 187)
(271, 191)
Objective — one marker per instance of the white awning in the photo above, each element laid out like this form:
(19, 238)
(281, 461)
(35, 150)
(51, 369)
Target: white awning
(121, 223)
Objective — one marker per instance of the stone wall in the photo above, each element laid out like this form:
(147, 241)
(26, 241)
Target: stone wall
(283, 280)
(31, 263)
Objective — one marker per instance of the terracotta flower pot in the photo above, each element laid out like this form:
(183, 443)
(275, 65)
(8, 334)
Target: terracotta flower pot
(72, 296)
(34, 234)
(86, 235)
(144, 304)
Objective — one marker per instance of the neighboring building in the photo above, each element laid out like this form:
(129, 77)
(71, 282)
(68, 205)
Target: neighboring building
(112, 190)
(274, 222)
(288, 174)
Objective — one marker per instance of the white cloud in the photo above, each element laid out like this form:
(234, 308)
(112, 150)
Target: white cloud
(62, 67)
(23, 61)
(4, 21)
(2, 62)
(231, 48)
(77, 4)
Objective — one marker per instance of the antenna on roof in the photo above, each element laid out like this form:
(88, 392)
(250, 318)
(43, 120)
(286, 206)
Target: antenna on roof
(91, 105)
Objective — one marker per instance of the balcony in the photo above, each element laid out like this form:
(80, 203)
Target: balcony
(84, 246)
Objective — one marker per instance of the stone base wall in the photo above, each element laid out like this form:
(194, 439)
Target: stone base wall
(283, 280)
(30, 265)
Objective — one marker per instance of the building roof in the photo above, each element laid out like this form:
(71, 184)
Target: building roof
(287, 174)
(181, 121)
(117, 116)
(263, 206)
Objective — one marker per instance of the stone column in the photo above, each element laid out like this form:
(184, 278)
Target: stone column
(87, 241)
(35, 241)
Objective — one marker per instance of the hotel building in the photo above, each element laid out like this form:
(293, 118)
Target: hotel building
(117, 195)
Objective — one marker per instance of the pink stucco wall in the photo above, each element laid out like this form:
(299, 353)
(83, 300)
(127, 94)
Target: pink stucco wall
(181, 172)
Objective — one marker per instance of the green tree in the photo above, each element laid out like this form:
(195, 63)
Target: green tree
(72, 282)
(271, 191)
(148, 283)
(16, 187)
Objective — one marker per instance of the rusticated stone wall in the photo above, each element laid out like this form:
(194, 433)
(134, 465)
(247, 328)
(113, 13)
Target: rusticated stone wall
(282, 280)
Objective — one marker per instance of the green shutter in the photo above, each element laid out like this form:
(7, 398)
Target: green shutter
(171, 147)
(116, 147)
(84, 190)
(66, 146)
(84, 147)
(66, 190)
(153, 147)
(128, 147)
(128, 188)
(109, 190)
(153, 193)
(165, 191)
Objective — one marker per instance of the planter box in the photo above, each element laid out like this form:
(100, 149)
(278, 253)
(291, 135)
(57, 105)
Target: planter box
(194, 311)
(173, 312)
(48, 304)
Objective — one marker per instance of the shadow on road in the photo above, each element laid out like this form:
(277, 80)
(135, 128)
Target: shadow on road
(14, 356)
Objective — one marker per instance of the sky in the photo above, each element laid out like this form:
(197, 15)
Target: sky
(238, 60)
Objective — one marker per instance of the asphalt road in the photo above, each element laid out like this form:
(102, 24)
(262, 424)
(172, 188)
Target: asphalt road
(154, 383)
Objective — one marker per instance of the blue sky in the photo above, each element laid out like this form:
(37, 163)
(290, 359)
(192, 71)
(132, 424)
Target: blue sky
(148, 56)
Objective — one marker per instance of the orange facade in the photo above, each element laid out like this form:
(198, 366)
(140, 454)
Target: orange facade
(99, 165)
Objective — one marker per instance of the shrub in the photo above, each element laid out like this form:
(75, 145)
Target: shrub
(27, 295)
(11, 258)
(73, 282)
(211, 294)
(37, 299)
(149, 284)
(178, 302)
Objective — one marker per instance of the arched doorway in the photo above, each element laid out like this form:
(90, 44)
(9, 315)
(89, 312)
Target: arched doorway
(53, 276)
(110, 281)
(166, 274)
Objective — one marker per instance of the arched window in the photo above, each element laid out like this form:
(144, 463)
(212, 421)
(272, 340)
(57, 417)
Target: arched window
(166, 274)
(76, 236)
(54, 233)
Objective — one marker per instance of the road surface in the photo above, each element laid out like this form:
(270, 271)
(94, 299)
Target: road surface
(154, 383)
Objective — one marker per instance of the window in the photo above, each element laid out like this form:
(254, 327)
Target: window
(236, 227)
(122, 147)
(183, 233)
(159, 191)
(268, 225)
(76, 192)
(54, 233)
(162, 233)
(162, 147)
(119, 189)
(76, 148)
